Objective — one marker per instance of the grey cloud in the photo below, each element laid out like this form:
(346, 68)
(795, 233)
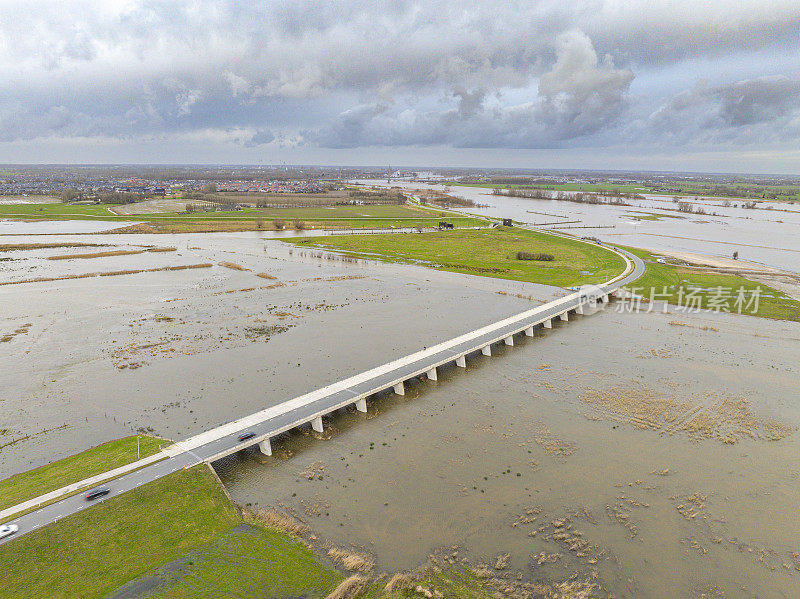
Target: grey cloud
(579, 96)
(754, 110)
(481, 73)
(259, 138)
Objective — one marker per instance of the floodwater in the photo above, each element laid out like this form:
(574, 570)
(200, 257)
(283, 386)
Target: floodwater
(770, 237)
(645, 455)
(555, 451)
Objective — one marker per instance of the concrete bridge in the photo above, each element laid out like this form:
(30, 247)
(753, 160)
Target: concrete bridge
(310, 408)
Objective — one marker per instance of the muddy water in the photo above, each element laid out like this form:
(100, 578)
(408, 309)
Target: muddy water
(518, 445)
(176, 352)
(652, 440)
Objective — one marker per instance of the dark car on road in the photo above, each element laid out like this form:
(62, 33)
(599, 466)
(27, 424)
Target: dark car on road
(99, 492)
(246, 436)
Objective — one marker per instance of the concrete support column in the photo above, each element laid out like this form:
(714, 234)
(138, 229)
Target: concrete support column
(564, 316)
(547, 324)
(316, 424)
(461, 362)
(486, 350)
(529, 331)
(509, 340)
(579, 309)
(605, 298)
(399, 388)
(432, 374)
(361, 405)
(265, 447)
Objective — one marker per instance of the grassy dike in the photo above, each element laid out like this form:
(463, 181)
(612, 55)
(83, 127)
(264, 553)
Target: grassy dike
(667, 279)
(488, 252)
(61, 473)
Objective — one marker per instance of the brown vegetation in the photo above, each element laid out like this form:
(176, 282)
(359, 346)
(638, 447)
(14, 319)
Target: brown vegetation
(265, 275)
(349, 588)
(96, 254)
(233, 266)
(110, 273)
(10, 247)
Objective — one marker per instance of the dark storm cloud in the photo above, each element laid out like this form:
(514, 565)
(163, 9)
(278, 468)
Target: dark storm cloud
(348, 74)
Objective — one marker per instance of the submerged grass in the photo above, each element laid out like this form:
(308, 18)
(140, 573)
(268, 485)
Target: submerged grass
(489, 252)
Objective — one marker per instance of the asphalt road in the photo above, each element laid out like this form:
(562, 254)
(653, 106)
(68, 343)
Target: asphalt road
(229, 443)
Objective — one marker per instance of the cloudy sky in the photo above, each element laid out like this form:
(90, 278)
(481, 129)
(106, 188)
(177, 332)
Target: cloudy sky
(625, 84)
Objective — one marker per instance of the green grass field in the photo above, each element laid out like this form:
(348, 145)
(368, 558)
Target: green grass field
(183, 536)
(96, 460)
(247, 219)
(93, 552)
(664, 282)
(487, 252)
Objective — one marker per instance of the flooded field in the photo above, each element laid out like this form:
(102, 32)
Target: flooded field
(641, 455)
(220, 327)
(765, 236)
(645, 455)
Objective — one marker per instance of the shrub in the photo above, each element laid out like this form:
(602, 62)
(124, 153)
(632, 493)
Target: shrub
(530, 256)
(279, 224)
(299, 224)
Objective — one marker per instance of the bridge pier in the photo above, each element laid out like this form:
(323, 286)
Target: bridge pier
(461, 361)
(547, 324)
(564, 316)
(605, 298)
(266, 447)
(399, 388)
(486, 350)
(509, 340)
(316, 424)
(529, 331)
(361, 405)
(432, 374)
(579, 309)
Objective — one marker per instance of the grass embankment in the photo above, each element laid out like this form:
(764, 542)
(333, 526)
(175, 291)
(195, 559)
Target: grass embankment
(666, 281)
(489, 252)
(96, 460)
(336, 217)
(180, 537)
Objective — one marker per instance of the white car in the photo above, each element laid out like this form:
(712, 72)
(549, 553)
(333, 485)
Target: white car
(6, 530)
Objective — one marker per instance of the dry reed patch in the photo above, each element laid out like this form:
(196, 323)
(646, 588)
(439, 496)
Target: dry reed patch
(11, 247)
(165, 249)
(233, 266)
(714, 416)
(96, 254)
(265, 275)
(139, 228)
(350, 560)
(20, 331)
(110, 273)
(349, 588)
(274, 519)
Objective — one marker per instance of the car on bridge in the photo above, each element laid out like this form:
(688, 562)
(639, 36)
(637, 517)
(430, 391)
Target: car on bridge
(98, 492)
(246, 436)
(6, 530)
